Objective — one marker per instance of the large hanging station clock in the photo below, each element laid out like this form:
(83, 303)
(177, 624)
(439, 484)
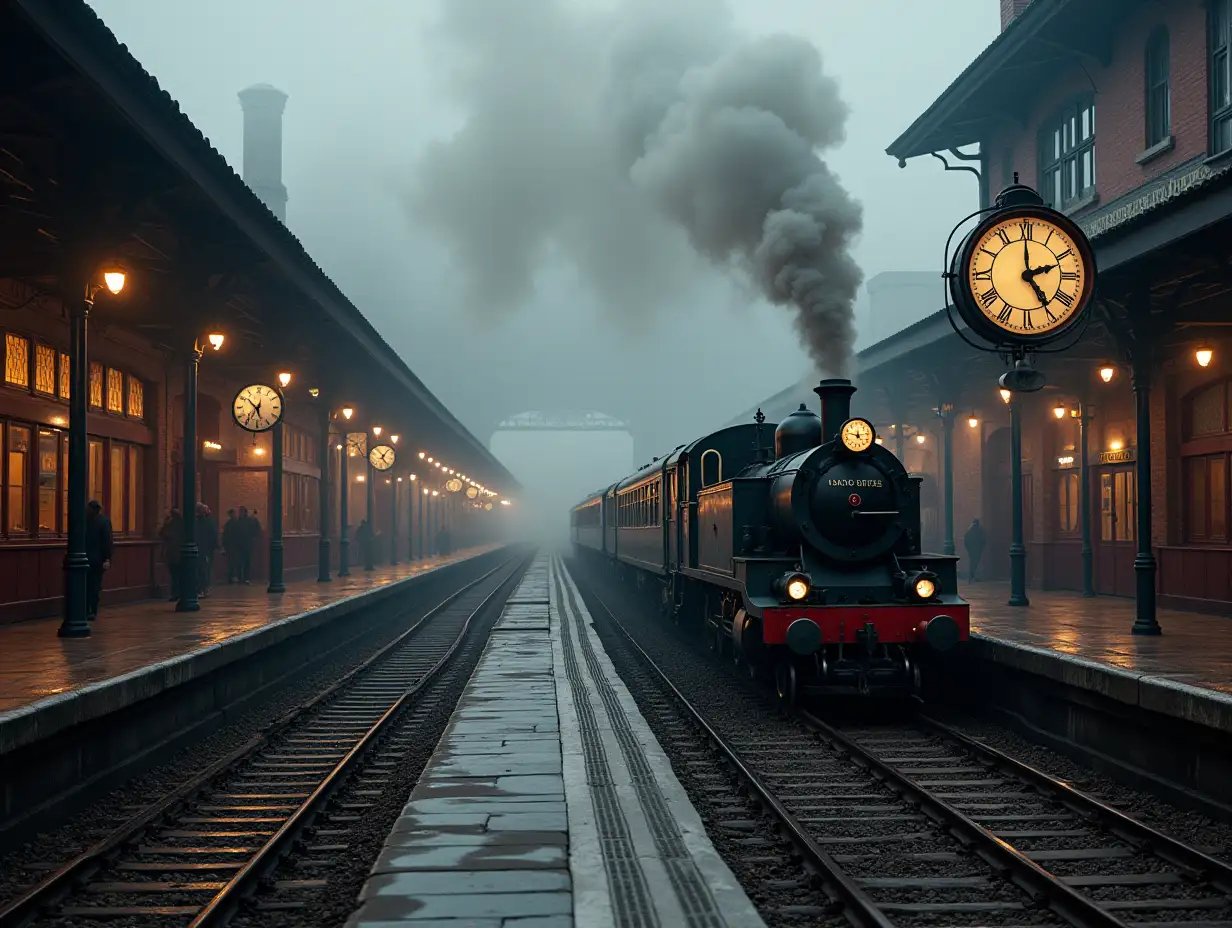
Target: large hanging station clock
(1022, 279)
(257, 408)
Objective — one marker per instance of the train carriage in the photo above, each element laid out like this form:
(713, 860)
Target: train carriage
(803, 560)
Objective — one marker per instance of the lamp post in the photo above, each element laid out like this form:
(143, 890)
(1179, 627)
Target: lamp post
(369, 548)
(276, 549)
(1018, 551)
(188, 601)
(393, 521)
(1083, 413)
(323, 494)
(344, 493)
(423, 530)
(945, 412)
(1145, 622)
(76, 562)
(411, 553)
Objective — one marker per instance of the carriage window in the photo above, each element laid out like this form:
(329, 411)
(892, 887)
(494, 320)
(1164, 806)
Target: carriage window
(712, 467)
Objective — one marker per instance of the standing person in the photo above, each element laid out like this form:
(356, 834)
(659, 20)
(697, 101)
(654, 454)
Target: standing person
(172, 535)
(98, 552)
(974, 542)
(230, 545)
(207, 543)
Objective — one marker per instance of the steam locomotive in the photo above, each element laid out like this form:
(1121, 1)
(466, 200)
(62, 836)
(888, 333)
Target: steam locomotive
(803, 562)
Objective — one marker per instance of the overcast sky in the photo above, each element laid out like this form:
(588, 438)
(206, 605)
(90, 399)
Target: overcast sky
(374, 83)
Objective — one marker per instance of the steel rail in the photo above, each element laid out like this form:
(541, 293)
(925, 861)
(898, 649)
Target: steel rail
(858, 907)
(1136, 833)
(63, 880)
(1003, 857)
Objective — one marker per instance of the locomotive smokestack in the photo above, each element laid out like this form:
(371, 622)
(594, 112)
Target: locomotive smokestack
(835, 396)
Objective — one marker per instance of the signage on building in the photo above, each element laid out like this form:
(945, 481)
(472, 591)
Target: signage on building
(1066, 462)
(1149, 196)
(1123, 456)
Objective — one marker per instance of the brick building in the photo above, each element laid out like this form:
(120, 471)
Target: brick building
(1120, 114)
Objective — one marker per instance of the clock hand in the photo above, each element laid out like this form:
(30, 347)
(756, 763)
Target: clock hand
(1042, 270)
(1038, 292)
(1026, 253)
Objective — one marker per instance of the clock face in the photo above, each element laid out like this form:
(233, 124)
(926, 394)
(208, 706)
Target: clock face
(471, 492)
(1029, 275)
(381, 457)
(257, 408)
(856, 435)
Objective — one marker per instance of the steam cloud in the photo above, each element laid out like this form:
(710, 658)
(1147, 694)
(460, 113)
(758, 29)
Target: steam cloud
(586, 129)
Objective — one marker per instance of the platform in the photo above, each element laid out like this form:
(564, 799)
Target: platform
(1086, 642)
(135, 649)
(549, 802)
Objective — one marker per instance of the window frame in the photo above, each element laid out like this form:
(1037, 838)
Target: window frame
(1219, 66)
(1067, 120)
(1068, 501)
(1158, 48)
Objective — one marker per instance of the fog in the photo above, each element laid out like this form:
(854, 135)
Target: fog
(548, 204)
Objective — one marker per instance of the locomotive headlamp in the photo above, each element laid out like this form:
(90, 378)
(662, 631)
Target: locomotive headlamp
(794, 586)
(922, 584)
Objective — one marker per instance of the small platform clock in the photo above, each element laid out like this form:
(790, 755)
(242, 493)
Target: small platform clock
(1024, 276)
(381, 457)
(257, 408)
(856, 435)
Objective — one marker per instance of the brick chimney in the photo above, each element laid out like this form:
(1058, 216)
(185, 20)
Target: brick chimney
(263, 106)
(1011, 10)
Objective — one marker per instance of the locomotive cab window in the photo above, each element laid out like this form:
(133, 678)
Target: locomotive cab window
(711, 467)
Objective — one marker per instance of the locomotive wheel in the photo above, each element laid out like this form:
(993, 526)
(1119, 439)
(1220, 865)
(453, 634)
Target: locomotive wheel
(786, 683)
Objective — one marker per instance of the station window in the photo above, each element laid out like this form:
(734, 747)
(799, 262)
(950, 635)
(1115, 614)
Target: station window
(1069, 510)
(115, 391)
(1207, 493)
(48, 480)
(1158, 90)
(45, 369)
(1218, 41)
(299, 504)
(96, 384)
(16, 480)
(1067, 154)
(66, 376)
(16, 360)
(136, 398)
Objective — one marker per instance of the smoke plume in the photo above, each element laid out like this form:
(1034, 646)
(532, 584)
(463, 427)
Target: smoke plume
(610, 139)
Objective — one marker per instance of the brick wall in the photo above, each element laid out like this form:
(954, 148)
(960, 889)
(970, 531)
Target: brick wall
(1119, 92)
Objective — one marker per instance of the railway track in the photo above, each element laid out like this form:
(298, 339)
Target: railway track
(915, 824)
(201, 854)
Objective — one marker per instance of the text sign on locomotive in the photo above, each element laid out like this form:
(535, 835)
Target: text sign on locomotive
(1025, 275)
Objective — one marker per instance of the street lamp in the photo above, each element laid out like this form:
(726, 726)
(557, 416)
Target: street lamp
(347, 412)
(76, 562)
(1059, 410)
(376, 431)
(216, 339)
(1106, 373)
(1084, 413)
(1005, 395)
(421, 455)
(1018, 551)
(1203, 356)
(393, 439)
(973, 421)
(284, 379)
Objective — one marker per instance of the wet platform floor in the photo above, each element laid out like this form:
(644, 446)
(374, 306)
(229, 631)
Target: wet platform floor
(36, 663)
(1194, 648)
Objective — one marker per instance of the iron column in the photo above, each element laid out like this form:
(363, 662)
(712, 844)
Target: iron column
(323, 495)
(275, 546)
(1018, 551)
(76, 563)
(945, 413)
(369, 479)
(1145, 622)
(393, 520)
(188, 553)
(1085, 415)
(344, 492)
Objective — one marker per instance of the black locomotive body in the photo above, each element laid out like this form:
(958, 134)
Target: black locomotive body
(803, 560)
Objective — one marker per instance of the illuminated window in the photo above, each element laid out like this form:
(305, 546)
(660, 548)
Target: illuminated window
(1068, 507)
(45, 369)
(16, 360)
(115, 390)
(95, 488)
(65, 376)
(48, 479)
(64, 486)
(136, 398)
(17, 465)
(135, 483)
(96, 384)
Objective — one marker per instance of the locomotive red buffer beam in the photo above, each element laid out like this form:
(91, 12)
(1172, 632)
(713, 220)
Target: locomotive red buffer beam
(939, 626)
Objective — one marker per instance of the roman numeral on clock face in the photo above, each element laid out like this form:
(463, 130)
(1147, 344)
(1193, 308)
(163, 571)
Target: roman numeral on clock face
(984, 275)
(988, 297)
(1004, 236)
(1065, 298)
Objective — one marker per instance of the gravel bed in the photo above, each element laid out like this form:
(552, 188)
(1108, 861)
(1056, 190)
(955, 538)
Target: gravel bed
(797, 768)
(25, 866)
(1211, 835)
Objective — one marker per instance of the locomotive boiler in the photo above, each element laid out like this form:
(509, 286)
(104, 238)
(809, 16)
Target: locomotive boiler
(802, 560)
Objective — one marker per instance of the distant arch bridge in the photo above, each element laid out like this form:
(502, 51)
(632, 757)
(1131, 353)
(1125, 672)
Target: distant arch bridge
(572, 420)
